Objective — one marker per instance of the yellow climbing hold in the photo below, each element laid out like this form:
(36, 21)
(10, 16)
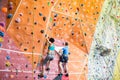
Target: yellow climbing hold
(1, 39)
(8, 64)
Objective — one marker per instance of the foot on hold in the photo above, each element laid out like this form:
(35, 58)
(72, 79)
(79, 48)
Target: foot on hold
(47, 69)
(40, 75)
(60, 74)
(66, 74)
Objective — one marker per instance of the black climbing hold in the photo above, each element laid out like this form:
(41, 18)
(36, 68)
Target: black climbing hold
(32, 33)
(76, 13)
(43, 7)
(67, 18)
(26, 66)
(35, 23)
(30, 13)
(82, 45)
(64, 24)
(45, 35)
(82, 5)
(72, 24)
(97, 12)
(76, 19)
(85, 34)
(25, 49)
(38, 41)
(44, 18)
(34, 62)
(26, 76)
(60, 4)
(33, 47)
(40, 14)
(42, 31)
(54, 24)
(26, 7)
(35, 0)
(55, 15)
(35, 8)
(72, 33)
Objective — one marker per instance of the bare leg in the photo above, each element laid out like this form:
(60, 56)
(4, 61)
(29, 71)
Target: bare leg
(61, 67)
(47, 65)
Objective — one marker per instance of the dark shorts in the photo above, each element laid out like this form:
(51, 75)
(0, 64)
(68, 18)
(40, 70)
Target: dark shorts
(49, 57)
(64, 59)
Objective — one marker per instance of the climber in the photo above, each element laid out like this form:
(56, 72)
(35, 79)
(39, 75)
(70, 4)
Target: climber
(50, 55)
(64, 52)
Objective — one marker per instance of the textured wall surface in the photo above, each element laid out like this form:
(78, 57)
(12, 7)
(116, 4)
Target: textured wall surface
(106, 43)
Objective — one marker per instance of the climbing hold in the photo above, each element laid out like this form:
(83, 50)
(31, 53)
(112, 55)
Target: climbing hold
(82, 5)
(7, 64)
(2, 29)
(40, 14)
(1, 39)
(10, 7)
(35, 8)
(0, 45)
(45, 76)
(32, 33)
(26, 66)
(2, 24)
(8, 57)
(4, 9)
(10, 3)
(55, 19)
(85, 34)
(18, 20)
(35, 23)
(9, 16)
(38, 41)
(1, 34)
(54, 24)
(42, 31)
(21, 14)
(48, 3)
(26, 76)
(34, 62)
(50, 19)
(44, 18)
(11, 76)
(72, 33)
(55, 15)
(25, 49)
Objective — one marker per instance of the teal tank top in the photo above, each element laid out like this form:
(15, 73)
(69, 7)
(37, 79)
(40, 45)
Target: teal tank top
(51, 47)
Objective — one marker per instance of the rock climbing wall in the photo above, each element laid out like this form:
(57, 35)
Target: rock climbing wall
(105, 45)
(29, 21)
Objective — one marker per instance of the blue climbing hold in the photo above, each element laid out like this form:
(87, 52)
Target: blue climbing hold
(0, 45)
(1, 34)
(45, 76)
(9, 16)
(8, 57)
(55, 15)
(40, 14)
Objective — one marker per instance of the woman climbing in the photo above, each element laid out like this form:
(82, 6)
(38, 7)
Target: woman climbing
(50, 55)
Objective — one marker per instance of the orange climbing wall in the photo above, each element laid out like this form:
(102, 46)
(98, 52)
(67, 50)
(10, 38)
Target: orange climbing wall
(75, 22)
